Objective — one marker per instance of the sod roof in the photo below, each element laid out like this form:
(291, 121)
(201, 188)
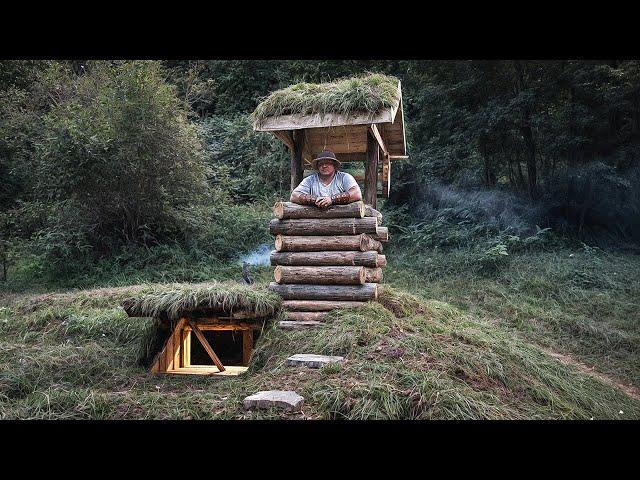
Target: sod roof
(337, 115)
(171, 301)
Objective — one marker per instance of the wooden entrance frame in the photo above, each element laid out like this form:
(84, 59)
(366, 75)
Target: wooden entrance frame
(175, 355)
(375, 139)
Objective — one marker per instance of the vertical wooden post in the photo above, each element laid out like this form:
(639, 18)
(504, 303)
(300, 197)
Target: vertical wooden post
(247, 346)
(186, 347)
(296, 158)
(371, 171)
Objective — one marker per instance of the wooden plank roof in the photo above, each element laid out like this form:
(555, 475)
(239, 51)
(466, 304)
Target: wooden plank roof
(345, 135)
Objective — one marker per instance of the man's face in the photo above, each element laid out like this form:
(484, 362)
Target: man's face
(326, 167)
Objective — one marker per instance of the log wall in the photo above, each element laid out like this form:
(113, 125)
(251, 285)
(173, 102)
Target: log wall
(326, 259)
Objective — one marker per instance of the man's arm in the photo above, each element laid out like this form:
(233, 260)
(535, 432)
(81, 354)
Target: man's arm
(302, 193)
(302, 198)
(351, 195)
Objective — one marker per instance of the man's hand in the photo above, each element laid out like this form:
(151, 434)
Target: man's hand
(323, 202)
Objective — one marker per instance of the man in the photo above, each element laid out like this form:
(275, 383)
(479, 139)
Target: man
(327, 187)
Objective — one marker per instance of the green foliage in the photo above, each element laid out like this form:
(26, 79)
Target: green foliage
(118, 159)
(245, 164)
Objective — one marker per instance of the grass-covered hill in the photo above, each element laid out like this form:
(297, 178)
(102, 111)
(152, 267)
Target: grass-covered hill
(462, 346)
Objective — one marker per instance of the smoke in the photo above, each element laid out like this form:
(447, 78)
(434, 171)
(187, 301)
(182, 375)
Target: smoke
(258, 256)
(496, 209)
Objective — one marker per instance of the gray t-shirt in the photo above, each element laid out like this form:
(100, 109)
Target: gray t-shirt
(312, 185)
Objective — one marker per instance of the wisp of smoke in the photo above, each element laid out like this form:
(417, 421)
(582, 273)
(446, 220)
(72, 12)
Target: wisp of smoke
(259, 256)
(501, 210)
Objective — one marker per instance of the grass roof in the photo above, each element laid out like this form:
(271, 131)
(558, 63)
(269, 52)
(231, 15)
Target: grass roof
(368, 93)
(172, 300)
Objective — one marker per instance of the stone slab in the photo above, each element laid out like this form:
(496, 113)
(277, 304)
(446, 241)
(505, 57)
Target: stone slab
(283, 399)
(311, 360)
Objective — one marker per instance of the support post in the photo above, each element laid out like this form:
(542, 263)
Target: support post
(296, 158)
(371, 171)
(247, 346)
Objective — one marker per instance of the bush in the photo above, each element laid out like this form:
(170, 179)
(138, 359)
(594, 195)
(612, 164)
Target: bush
(246, 164)
(117, 162)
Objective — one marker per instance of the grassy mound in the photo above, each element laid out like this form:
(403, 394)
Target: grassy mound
(365, 94)
(416, 359)
(170, 300)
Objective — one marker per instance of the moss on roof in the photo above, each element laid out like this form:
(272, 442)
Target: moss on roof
(364, 94)
(173, 300)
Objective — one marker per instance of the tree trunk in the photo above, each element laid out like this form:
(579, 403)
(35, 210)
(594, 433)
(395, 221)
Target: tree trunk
(351, 293)
(318, 305)
(320, 275)
(290, 210)
(362, 242)
(330, 226)
(336, 258)
(527, 133)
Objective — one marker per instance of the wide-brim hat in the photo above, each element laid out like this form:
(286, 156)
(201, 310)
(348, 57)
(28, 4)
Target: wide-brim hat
(326, 155)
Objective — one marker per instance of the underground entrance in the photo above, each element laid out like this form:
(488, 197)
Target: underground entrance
(229, 345)
(208, 346)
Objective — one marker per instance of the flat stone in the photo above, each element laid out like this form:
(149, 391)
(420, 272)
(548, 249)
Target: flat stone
(292, 324)
(312, 361)
(286, 400)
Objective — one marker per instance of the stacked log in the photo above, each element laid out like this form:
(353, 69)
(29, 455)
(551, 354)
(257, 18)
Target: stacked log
(326, 258)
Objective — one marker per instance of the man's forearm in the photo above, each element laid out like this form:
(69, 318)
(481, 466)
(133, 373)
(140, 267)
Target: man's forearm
(351, 195)
(302, 198)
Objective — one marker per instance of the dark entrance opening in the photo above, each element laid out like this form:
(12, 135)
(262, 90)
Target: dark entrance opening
(227, 344)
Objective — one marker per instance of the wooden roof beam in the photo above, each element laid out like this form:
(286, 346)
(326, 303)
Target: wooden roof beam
(286, 137)
(376, 134)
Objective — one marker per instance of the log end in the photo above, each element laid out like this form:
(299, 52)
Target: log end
(381, 261)
(363, 275)
(278, 210)
(277, 274)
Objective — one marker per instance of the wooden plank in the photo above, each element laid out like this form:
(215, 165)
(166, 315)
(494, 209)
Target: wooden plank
(177, 343)
(207, 327)
(286, 138)
(206, 345)
(169, 353)
(378, 137)
(210, 370)
(247, 346)
(317, 120)
(186, 348)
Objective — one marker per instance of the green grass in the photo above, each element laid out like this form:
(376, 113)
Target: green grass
(365, 94)
(462, 347)
(173, 299)
(583, 302)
